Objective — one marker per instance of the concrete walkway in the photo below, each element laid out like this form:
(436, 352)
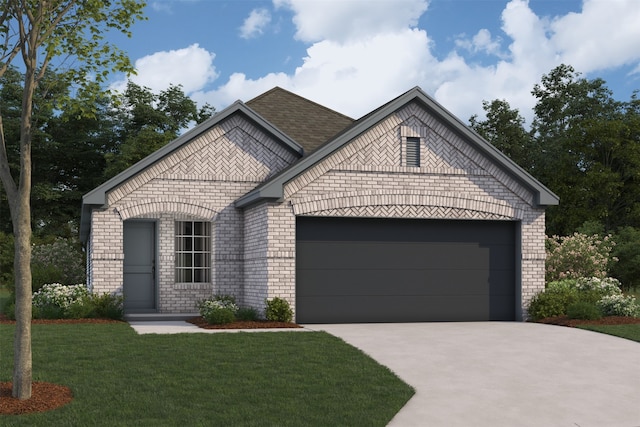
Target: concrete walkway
(505, 374)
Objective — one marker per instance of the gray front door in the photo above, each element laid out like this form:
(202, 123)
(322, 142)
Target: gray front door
(139, 266)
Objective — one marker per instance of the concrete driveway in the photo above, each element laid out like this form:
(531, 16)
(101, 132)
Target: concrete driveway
(505, 374)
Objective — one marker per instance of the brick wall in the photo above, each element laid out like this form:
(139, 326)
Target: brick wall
(366, 178)
(199, 181)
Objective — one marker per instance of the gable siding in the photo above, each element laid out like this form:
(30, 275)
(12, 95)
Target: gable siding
(365, 178)
(199, 181)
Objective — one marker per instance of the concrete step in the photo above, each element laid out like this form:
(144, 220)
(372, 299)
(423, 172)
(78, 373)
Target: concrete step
(153, 317)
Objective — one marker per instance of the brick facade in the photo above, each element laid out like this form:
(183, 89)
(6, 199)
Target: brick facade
(253, 249)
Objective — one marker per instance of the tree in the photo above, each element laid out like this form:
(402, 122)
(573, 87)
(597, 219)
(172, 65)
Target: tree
(504, 128)
(37, 33)
(585, 150)
(148, 121)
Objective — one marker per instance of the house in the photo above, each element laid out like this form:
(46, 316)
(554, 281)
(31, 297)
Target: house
(405, 214)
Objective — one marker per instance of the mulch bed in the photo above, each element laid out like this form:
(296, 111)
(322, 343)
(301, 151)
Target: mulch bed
(258, 324)
(44, 397)
(4, 320)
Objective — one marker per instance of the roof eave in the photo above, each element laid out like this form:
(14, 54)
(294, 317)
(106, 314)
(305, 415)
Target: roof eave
(98, 196)
(275, 187)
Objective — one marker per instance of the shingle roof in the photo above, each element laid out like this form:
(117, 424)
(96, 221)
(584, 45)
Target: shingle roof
(304, 121)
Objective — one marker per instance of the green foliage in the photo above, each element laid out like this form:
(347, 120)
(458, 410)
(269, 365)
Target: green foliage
(504, 128)
(61, 261)
(619, 305)
(107, 306)
(219, 309)
(578, 255)
(278, 310)
(6, 260)
(249, 314)
(551, 303)
(583, 310)
(627, 250)
(56, 301)
(148, 121)
(559, 296)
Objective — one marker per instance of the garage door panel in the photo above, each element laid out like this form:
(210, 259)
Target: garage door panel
(399, 270)
(393, 282)
(397, 255)
(351, 309)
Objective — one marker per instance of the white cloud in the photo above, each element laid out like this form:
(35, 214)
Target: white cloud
(191, 67)
(481, 42)
(604, 35)
(342, 21)
(255, 23)
(362, 54)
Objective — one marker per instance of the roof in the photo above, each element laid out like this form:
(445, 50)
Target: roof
(98, 196)
(273, 189)
(307, 123)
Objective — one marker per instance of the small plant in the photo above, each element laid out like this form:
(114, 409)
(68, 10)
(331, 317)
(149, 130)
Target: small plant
(552, 302)
(619, 305)
(603, 287)
(583, 310)
(108, 306)
(278, 310)
(248, 314)
(219, 309)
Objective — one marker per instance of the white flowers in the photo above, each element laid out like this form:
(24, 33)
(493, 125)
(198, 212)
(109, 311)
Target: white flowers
(619, 305)
(61, 296)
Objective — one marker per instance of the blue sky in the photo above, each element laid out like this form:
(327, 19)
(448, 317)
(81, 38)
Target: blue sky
(354, 55)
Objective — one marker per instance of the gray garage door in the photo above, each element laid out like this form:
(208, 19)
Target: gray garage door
(386, 270)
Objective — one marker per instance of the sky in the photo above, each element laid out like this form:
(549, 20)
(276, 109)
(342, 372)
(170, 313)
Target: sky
(355, 55)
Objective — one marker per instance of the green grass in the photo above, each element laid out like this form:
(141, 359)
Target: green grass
(119, 378)
(630, 332)
(5, 294)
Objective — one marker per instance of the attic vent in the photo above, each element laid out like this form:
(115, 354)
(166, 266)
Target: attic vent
(413, 151)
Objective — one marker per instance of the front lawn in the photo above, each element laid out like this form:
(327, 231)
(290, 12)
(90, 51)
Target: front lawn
(630, 332)
(119, 378)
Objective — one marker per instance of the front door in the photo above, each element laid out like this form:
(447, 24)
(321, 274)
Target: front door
(139, 266)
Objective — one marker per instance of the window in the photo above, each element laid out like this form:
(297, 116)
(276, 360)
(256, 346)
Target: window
(193, 252)
(413, 151)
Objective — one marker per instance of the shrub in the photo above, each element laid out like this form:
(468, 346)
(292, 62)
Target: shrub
(218, 309)
(61, 261)
(619, 305)
(552, 302)
(578, 255)
(249, 314)
(583, 310)
(602, 287)
(107, 306)
(278, 310)
(54, 301)
(627, 250)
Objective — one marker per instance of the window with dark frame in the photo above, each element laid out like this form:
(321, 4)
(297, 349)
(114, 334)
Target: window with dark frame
(413, 152)
(193, 252)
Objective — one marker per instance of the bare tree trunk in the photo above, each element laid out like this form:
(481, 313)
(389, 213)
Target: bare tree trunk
(22, 360)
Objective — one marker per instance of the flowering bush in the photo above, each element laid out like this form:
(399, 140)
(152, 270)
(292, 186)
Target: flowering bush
(61, 261)
(604, 287)
(578, 255)
(59, 301)
(619, 305)
(582, 295)
(218, 309)
(56, 301)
